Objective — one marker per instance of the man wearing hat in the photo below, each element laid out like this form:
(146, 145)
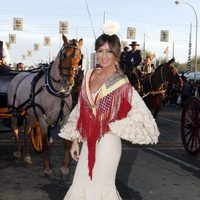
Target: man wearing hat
(134, 57)
(132, 60)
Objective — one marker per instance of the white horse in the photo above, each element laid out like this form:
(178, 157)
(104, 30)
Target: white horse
(45, 97)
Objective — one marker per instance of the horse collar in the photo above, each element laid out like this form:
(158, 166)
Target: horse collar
(49, 86)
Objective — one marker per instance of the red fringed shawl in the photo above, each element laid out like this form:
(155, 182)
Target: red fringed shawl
(113, 106)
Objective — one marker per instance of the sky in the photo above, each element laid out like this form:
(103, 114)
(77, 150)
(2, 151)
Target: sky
(41, 18)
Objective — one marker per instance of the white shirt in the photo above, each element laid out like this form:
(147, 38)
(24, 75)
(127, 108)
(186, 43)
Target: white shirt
(5, 55)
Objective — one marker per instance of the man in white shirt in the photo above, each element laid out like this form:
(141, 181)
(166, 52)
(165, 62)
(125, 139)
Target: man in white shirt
(4, 55)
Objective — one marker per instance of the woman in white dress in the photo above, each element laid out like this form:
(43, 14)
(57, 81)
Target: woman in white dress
(108, 109)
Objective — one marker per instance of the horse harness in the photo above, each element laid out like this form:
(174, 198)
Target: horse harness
(161, 90)
(45, 71)
(30, 102)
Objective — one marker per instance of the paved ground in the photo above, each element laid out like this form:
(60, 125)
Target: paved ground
(142, 175)
(164, 172)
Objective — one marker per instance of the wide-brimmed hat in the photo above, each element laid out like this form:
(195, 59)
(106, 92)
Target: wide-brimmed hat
(134, 43)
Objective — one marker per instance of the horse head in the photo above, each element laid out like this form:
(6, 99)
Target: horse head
(171, 74)
(70, 58)
(166, 73)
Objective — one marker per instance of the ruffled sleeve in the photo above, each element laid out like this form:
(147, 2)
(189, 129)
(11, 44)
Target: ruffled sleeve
(139, 127)
(69, 131)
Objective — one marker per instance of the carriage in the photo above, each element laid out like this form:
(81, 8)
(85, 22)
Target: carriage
(7, 112)
(190, 123)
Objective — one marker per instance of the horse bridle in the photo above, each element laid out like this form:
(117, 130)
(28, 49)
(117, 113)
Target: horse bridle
(48, 77)
(160, 90)
(64, 56)
(163, 75)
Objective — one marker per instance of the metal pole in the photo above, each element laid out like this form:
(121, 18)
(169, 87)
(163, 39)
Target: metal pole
(195, 69)
(144, 48)
(104, 17)
(90, 19)
(173, 50)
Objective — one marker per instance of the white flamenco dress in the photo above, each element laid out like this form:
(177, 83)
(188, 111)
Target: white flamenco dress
(139, 127)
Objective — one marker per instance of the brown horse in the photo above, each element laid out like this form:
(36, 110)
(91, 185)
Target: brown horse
(45, 97)
(154, 85)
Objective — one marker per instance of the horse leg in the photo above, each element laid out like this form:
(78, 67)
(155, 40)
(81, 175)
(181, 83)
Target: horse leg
(47, 170)
(30, 123)
(155, 113)
(15, 129)
(64, 170)
(46, 148)
(158, 104)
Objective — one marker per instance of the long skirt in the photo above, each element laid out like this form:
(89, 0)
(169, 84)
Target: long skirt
(102, 186)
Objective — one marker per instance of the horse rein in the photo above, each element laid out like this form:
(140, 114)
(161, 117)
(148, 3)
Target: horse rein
(159, 90)
(49, 86)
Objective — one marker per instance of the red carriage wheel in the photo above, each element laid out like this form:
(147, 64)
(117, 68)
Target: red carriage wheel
(190, 126)
(36, 138)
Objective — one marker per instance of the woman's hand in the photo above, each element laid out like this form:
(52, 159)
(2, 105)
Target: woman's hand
(74, 151)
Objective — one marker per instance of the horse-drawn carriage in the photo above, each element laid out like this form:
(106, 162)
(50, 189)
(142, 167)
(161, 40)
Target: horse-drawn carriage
(190, 123)
(5, 77)
(43, 99)
(7, 111)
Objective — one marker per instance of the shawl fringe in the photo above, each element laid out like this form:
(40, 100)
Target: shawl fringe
(114, 106)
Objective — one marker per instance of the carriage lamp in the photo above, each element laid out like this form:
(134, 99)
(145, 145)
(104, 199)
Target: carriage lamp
(195, 69)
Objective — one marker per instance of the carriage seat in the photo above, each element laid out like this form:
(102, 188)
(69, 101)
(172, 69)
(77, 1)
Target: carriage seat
(3, 100)
(5, 79)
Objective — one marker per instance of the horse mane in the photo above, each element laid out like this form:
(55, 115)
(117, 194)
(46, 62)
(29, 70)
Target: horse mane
(57, 60)
(169, 63)
(157, 68)
(73, 42)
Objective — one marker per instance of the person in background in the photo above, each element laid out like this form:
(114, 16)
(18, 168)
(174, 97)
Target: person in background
(108, 109)
(4, 55)
(124, 53)
(20, 66)
(134, 56)
(132, 63)
(147, 67)
(186, 92)
(123, 58)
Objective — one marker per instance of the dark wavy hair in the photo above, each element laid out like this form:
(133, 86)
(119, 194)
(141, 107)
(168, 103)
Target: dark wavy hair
(113, 42)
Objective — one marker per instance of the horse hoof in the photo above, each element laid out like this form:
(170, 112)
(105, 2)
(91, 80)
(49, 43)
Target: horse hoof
(48, 172)
(51, 140)
(28, 159)
(64, 171)
(17, 154)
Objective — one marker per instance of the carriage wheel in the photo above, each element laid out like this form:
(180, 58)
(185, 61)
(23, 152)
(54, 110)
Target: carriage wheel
(190, 126)
(36, 138)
